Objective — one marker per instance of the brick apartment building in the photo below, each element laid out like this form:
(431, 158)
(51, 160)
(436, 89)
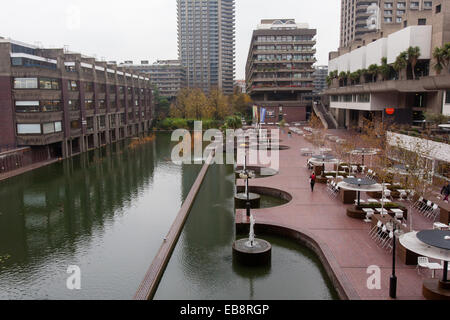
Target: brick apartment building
(59, 104)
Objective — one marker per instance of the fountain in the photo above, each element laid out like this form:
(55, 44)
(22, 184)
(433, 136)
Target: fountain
(247, 199)
(252, 251)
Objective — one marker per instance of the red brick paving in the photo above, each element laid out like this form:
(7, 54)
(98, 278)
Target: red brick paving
(325, 219)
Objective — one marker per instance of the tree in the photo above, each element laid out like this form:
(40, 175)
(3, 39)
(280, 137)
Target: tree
(197, 106)
(219, 104)
(178, 108)
(373, 71)
(401, 63)
(442, 57)
(385, 69)
(241, 103)
(413, 56)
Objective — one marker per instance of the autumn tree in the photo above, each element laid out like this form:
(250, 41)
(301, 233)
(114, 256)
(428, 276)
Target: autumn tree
(178, 108)
(220, 104)
(197, 106)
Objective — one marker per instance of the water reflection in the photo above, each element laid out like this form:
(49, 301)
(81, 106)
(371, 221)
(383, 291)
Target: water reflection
(106, 211)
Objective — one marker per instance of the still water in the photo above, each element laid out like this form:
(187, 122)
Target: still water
(201, 266)
(106, 211)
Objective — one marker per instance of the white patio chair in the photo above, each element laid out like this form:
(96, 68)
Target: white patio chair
(423, 262)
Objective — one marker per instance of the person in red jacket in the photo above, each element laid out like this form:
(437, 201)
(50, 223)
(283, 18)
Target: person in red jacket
(313, 181)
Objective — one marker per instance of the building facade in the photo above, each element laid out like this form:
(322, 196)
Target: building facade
(362, 18)
(410, 94)
(60, 104)
(169, 76)
(206, 43)
(320, 79)
(279, 70)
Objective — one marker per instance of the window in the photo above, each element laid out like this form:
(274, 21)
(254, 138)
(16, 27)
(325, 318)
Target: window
(88, 86)
(89, 104)
(101, 122)
(72, 85)
(28, 128)
(438, 8)
(75, 124)
(74, 105)
(27, 106)
(48, 84)
(102, 104)
(25, 83)
(90, 123)
(422, 22)
(51, 127)
(447, 97)
(51, 106)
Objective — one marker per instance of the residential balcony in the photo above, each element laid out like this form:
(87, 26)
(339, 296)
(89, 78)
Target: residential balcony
(38, 117)
(39, 140)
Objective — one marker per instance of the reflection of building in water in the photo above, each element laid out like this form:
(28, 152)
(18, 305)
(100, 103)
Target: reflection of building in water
(58, 205)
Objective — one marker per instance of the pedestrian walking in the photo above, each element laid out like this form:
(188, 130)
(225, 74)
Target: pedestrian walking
(312, 181)
(446, 192)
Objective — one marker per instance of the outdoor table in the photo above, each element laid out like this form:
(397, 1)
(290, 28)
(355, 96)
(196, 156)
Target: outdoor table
(321, 160)
(362, 184)
(432, 244)
(363, 152)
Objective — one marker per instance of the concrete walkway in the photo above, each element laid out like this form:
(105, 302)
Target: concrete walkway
(22, 170)
(350, 250)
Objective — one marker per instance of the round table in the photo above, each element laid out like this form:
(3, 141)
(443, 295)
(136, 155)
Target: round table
(364, 152)
(360, 184)
(440, 240)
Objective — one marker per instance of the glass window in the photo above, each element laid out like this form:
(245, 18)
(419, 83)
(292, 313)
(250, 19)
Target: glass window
(75, 124)
(51, 106)
(27, 106)
(28, 128)
(74, 105)
(48, 84)
(58, 126)
(48, 128)
(72, 85)
(89, 104)
(447, 97)
(25, 83)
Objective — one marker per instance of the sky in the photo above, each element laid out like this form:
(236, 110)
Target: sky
(118, 30)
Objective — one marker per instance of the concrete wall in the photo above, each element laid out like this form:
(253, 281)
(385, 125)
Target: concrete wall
(357, 59)
(446, 106)
(413, 36)
(389, 47)
(376, 51)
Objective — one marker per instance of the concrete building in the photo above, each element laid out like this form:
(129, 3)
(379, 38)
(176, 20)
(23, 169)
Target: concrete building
(367, 97)
(320, 79)
(279, 70)
(365, 18)
(240, 86)
(206, 43)
(169, 76)
(60, 104)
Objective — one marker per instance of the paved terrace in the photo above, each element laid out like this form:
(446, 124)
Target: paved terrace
(344, 240)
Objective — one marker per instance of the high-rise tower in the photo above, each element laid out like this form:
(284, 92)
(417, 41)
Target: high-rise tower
(206, 43)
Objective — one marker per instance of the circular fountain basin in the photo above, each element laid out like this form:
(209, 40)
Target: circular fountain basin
(241, 200)
(260, 172)
(258, 255)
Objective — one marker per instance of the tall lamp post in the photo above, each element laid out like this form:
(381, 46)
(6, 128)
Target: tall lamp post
(393, 280)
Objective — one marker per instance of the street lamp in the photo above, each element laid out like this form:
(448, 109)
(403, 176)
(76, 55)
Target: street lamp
(393, 279)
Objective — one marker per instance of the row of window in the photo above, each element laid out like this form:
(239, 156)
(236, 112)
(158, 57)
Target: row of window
(39, 128)
(56, 105)
(363, 98)
(284, 38)
(280, 57)
(285, 47)
(54, 84)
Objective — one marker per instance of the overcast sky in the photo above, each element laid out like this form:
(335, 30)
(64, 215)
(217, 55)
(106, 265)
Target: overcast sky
(147, 30)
